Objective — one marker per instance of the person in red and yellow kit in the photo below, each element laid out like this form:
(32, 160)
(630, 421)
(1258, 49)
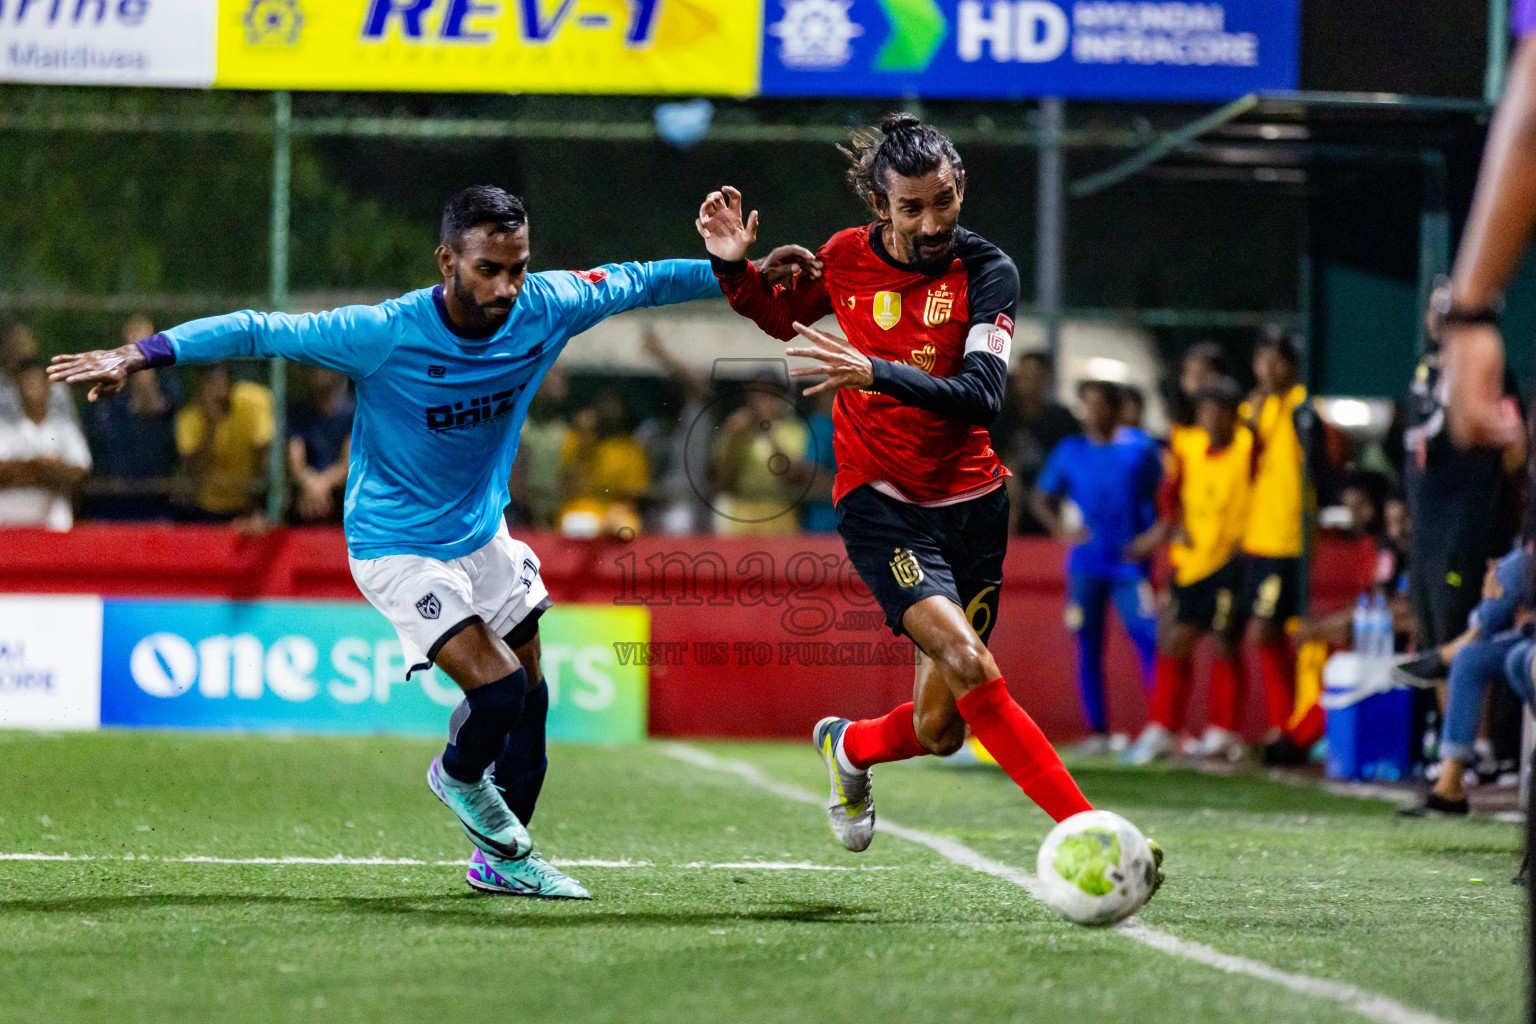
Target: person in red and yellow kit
(1274, 539)
(1205, 512)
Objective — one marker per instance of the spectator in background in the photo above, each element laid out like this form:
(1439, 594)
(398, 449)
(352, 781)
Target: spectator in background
(606, 471)
(679, 445)
(43, 456)
(759, 464)
(18, 349)
(1112, 479)
(817, 513)
(538, 472)
(223, 438)
(133, 442)
(319, 446)
(1461, 502)
(1028, 429)
(1273, 538)
(1133, 410)
(1476, 660)
(1205, 514)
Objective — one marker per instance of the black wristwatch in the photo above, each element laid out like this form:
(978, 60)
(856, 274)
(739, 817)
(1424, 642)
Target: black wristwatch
(1447, 314)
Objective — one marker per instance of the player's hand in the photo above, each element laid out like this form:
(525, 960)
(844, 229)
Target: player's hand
(789, 265)
(108, 369)
(1474, 373)
(844, 365)
(726, 235)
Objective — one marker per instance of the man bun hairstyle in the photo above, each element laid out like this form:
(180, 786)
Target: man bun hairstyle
(477, 205)
(903, 145)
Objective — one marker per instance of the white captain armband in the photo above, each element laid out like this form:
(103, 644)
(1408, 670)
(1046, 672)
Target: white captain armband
(991, 338)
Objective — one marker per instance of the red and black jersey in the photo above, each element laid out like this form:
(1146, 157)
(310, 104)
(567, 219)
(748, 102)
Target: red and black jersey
(939, 347)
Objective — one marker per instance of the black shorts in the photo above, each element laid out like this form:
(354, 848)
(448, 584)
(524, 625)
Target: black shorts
(1271, 588)
(1211, 603)
(1444, 591)
(906, 553)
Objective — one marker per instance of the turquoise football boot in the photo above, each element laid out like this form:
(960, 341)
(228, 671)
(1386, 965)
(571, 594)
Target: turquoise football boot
(532, 876)
(480, 808)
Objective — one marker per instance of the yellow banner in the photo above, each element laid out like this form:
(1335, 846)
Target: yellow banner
(642, 47)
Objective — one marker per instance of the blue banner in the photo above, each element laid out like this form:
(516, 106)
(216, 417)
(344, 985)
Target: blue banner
(335, 666)
(1014, 49)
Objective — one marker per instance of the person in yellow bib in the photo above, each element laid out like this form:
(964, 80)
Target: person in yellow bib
(1206, 515)
(1273, 540)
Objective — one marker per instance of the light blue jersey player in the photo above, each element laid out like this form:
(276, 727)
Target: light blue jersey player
(444, 376)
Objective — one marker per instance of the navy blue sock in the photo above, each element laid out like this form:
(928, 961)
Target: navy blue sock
(479, 726)
(520, 768)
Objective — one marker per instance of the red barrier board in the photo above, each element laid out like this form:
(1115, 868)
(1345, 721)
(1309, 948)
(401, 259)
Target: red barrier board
(751, 637)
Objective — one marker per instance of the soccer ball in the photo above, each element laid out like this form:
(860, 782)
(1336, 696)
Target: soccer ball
(1096, 868)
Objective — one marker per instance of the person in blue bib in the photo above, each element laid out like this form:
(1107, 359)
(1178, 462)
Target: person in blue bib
(444, 376)
(1111, 476)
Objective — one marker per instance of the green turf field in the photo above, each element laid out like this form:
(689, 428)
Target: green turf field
(1319, 886)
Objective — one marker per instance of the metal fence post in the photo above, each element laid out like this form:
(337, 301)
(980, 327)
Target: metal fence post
(282, 163)
(1498, 50)
(1049, 226)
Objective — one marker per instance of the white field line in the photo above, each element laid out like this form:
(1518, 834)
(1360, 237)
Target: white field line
(1367, 1004)
(338, 860)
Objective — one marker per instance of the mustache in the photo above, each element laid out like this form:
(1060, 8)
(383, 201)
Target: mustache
(934, 241)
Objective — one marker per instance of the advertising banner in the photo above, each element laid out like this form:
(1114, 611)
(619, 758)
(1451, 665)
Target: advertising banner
(50, 662)
(107, 42)
(999, 49)
(647, 47)
(337, 667)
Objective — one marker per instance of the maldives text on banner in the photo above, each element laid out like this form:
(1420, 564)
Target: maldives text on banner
(336, 666)
(999, 49)
(50, 662)
(107, 42)
(656, 47)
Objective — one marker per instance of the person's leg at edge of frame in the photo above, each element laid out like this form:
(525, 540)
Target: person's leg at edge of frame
(1475, 667)
(1086, 618)
(938, 626)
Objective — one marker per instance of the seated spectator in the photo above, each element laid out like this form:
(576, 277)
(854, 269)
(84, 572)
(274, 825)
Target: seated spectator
(223, 437)
(133, 442)
(42, 458)
(678, 441)
(1497, 635)
(606, 471)
(758, 465)
(319, 445)
(18, 348)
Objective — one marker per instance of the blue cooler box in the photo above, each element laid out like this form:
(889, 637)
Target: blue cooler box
(1372, 738)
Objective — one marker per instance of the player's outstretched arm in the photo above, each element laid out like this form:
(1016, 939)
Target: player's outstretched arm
(784, 288)
(588, 297)
(354, 339)
(974, 395)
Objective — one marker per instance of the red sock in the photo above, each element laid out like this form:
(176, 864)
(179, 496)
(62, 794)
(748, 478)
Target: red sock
(1279, 673)
(878, 740)
(1229, 692)
(1172, 680)
(1310, 729)
(1021, 749)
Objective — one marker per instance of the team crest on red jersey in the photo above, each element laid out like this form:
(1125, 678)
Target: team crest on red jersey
(939, 307)
(887, 309)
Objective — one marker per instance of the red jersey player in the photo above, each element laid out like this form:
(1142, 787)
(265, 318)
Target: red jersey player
(928, 309)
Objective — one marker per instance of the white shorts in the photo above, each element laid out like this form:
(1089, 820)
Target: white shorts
(429, 601)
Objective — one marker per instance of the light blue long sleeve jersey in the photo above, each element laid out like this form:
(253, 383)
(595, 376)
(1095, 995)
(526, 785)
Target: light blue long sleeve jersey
(439, 415)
